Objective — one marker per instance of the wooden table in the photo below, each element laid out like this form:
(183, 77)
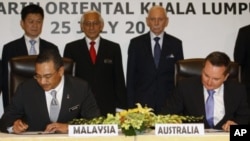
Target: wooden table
(218, 136)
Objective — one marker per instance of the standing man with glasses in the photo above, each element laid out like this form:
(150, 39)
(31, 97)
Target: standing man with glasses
(48, 102)
(99, 61)
(29, 44)
(151, 62)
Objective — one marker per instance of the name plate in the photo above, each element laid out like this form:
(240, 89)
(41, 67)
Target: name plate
(179, 129)
(93, 130)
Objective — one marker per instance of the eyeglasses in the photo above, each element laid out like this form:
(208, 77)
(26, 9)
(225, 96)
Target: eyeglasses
(46, 76)
(95, 23)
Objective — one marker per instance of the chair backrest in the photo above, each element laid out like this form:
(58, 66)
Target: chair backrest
(193, 67)
(23, 67)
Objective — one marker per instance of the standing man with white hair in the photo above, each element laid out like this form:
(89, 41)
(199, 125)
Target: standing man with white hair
(99, 61)
(151, 60)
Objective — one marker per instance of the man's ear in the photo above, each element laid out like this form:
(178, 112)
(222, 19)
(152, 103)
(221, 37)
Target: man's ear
(21, 23)
(61, 70)
(227, 75)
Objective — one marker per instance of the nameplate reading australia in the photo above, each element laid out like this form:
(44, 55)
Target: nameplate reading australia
(179, 129)
(93, 130)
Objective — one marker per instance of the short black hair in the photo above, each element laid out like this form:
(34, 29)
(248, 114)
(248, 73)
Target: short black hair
(219, 59)
(31, 9)
(50, 55)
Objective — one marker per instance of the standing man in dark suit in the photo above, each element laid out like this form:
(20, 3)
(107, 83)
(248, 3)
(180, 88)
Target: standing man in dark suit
(31, 22)
(242, 56)
(150, 82)
(192, 96)
(1, 77)
(105, 73)
(30, 109)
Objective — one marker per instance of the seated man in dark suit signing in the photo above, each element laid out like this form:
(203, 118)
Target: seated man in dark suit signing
(33, 107)
(222, 102)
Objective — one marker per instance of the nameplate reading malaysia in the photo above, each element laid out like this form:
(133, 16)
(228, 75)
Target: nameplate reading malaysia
(179, 129)
(93, 130)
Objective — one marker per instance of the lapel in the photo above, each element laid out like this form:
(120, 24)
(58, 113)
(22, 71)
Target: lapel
(41, 44)
(199, 94)
(22, 48)
(66, 98)
(227, 98)
(147, 44)
(40, 97)
(101, 51)
(165, 45)
(85, 50)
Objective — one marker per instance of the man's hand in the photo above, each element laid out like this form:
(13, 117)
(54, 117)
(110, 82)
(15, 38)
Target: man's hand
(19, 126)
(226, 126)
(57, 128)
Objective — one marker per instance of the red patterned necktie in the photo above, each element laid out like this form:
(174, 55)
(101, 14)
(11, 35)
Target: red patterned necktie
(92, 51)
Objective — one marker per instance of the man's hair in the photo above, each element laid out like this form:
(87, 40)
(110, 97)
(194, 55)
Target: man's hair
(92, 11)
(219, 59)
(31, 9)
(50, 55)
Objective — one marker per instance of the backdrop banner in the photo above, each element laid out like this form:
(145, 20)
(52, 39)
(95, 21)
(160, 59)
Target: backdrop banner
(203, 25)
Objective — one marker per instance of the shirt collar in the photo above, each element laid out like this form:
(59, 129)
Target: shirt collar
(152, 35)
(27, 39)
(97, 40)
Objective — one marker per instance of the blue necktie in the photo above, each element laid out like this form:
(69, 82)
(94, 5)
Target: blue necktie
(54, 107)
(157, 51)
(32, 49)
(210, 108)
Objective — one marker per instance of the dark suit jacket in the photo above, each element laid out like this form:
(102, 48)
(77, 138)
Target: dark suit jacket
(13, 49)
(106, 77)
(29, 104)
(242, 52)
(242, 56)
(188, 99)
(145, 83)
(1, 77)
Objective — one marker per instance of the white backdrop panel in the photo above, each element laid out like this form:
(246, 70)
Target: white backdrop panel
(203, 25)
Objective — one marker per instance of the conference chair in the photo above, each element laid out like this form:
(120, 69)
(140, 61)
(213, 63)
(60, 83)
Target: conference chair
(23, 67)
(193, 67)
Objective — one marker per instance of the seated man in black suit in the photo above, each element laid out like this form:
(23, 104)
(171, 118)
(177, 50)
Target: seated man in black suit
(31, 106)
(226, 106)
(31, 22)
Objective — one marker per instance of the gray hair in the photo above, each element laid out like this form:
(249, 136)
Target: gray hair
(92, 11)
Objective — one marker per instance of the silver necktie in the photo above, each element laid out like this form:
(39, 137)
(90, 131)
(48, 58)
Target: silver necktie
(32, 49)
